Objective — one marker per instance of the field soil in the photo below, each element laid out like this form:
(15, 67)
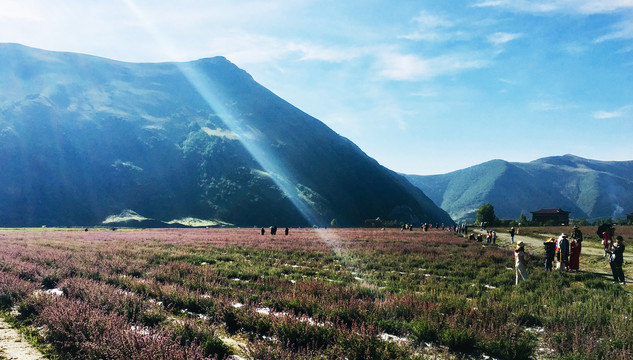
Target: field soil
(592, 257)
(13, 346)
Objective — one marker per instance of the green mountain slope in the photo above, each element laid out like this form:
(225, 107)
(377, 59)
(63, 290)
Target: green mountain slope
(84, 138)
(587, 188)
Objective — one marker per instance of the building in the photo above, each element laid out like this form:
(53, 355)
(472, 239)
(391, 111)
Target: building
(629, 218)
(551, 216)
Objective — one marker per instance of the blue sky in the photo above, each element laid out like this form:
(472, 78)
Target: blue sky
(424, 87)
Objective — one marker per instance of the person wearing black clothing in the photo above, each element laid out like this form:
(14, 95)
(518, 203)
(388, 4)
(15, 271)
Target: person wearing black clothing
(550, 250)
(616, 259)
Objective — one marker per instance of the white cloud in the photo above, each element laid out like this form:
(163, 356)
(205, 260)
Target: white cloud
(433, 28)
(426, 21)
(606, 114)
(17, 11)
(574, 49)
(586, 7)
(623, 30)
(501, 38)
(414, 68)
(543, 105)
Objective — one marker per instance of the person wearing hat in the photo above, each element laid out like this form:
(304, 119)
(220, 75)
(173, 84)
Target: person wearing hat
(563, 248)
(550, 251)
(576, 234)
(520, 262)
(616, 259)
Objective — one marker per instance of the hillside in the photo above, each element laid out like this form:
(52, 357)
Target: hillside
(587, 188)
(84, 139)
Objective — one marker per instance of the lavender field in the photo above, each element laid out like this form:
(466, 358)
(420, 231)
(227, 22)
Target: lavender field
(314, 294)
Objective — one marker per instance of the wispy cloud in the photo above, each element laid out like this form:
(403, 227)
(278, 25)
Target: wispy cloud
(613, 114)
(565, 6)
(433, 28)
(622, 30)
(544, 105)
(414, 68)
(606, 114)
(501, 38)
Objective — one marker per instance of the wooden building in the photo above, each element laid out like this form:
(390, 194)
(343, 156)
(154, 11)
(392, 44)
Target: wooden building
(552, 216)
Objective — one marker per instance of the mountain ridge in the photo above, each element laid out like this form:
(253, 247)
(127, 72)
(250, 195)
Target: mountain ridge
(589, 189)
(83, 138)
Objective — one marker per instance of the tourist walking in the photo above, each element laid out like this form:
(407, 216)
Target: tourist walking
(550, 251)
(616, 259)
(512, 235)
(520, 261)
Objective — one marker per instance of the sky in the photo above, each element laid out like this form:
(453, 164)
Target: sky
(422, 86)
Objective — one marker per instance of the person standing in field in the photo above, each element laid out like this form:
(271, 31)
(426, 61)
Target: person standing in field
(574, 254)
(512, 235)
(576, 234)
(550, 251)
(520, 261)
(563, 247)
(616, 259)
(606, 239)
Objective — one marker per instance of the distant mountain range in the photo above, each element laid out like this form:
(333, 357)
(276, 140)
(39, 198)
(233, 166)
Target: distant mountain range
(87, 141)
(589, 189)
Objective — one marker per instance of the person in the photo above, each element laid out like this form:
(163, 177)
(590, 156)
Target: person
(616, 259)
(574, 254)
(520, 262)
(605, 242)
(576, 234)
(512, 235)
(550, 250)
(563, 246)
(488, 237)
(263, 231)
(494, 237)
(286, 231)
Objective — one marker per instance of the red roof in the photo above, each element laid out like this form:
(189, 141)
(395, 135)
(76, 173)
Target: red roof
(550, 211)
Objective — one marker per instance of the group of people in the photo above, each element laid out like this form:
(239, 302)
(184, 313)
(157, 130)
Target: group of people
(491, 237)
(566, 253)
(273, 230)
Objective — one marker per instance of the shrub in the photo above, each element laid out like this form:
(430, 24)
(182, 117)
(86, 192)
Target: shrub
(13, 289)
(188, 332)
(423, 331)
(462, 340)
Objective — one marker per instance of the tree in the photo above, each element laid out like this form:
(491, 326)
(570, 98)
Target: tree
(523, 221)
(486, 213)
(333, 223)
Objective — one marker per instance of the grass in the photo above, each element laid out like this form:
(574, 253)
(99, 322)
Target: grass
(325, 294)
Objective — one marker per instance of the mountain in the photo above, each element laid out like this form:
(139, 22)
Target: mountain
(587, 188)
(86, 140)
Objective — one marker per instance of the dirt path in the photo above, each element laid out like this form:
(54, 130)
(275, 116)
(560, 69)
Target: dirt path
(13, 346)
(591, 258)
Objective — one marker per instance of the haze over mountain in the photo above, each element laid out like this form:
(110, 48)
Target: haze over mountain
(589, 189)
(86, 139)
